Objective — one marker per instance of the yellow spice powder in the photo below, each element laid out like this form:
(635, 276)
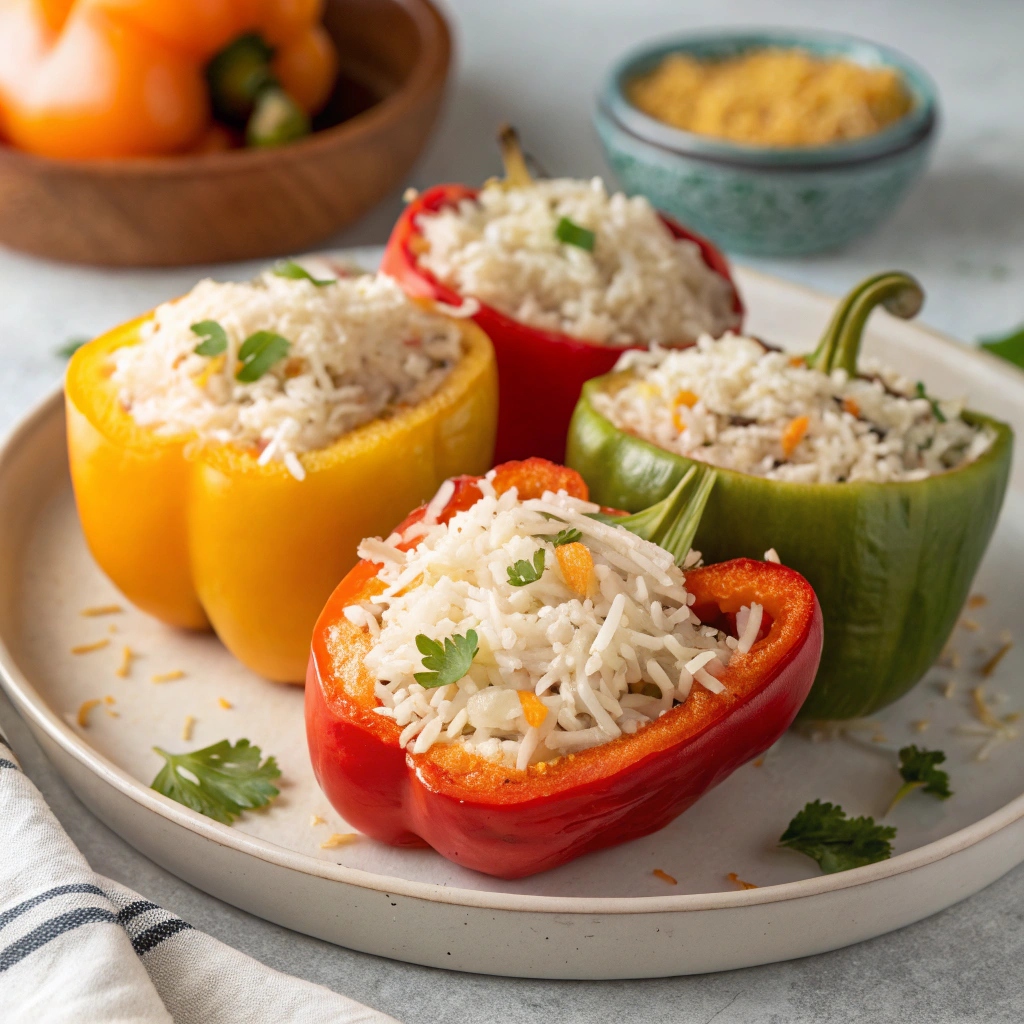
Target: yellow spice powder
(773, 97)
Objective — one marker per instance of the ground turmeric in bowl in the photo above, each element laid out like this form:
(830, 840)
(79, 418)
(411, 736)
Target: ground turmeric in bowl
(772, 97)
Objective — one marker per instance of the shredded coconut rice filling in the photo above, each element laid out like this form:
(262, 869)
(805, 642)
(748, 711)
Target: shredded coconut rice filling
(639, 285)
(735, 404)
(557, 670)
(359, 349)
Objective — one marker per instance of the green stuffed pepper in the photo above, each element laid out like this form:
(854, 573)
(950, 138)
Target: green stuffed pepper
(882, 496)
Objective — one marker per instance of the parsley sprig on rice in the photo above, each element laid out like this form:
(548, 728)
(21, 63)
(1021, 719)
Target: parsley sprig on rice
(600, 643)
(632, 283)
(358, 348)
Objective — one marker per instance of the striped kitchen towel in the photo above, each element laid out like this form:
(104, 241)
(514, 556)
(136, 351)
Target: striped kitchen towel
(77, 947)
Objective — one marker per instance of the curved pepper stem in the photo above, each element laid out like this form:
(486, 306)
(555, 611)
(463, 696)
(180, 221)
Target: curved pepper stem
(517, 174)
(672, 522)
(839, 347)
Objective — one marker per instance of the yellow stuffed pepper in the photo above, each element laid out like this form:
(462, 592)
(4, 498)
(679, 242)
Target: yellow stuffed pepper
(230, 450)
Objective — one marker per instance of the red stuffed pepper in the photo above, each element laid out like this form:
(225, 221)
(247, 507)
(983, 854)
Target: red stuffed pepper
(514, 680)
(560, 296)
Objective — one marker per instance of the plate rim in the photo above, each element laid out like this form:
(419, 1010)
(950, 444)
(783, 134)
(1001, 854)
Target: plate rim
(35, 710)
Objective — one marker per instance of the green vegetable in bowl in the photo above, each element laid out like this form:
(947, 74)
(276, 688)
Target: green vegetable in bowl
(891, 562)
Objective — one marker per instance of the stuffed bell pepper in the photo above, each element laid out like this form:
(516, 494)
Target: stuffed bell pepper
(230, 450)
(93, 79)
(562, 276)
(882, 495)
(517, 676)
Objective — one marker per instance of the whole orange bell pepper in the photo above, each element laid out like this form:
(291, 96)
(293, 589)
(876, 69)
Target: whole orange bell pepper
(511, 823)
(85, 79)
(203, 536)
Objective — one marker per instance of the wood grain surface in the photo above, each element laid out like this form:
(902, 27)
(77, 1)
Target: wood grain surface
(245, 204)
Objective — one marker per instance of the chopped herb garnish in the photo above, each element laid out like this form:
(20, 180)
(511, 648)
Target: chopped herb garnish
(219, 781)
(1009, 346)
(447, 664)
(567, 536)
(259, 352)
(837, 843)
(215, 338)
(936, 411)
(70, 347)
(522, 572)
(572, 234)
(917, 766)
(296, 272)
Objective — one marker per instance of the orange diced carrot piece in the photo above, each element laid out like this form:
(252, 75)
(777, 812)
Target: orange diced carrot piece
(577, 565)
(534, 709)
(683, 398)
(850, 405)
(794, 433)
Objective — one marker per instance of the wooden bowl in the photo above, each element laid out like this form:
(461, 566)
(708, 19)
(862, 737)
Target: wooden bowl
(243, 204)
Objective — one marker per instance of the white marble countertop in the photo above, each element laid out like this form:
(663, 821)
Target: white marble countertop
(537, 63)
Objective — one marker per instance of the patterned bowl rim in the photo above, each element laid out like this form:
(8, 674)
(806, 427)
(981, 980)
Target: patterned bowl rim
(904, 134)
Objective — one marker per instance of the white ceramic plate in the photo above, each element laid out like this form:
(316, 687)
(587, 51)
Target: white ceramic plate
(604, 916)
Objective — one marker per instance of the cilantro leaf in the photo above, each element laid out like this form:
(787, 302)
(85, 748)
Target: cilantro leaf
(522, 572)
(917, 766)
(572, 234)
(70, 347)
(936, 411)
(447, 664)
(1009, 346)
(226, 779)
(567, 536)
(258, 354)
(837, 843)
(215, 339)
(296, 272)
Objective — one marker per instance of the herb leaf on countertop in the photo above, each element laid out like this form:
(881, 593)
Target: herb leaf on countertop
(70, 347)
(1007, 346)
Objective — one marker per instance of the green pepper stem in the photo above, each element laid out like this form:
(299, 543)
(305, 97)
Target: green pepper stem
(672, 522)
(839, 347)
(905, 790)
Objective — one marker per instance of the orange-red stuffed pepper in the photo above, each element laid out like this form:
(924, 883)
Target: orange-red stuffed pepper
(502, 821)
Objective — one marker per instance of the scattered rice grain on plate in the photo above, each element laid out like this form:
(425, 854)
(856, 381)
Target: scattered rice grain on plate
(664, 876)
(316, 819)
(187, 727)
(359, 350)
(225, 703)
(756, 412)
(556, 672)
(639, 284)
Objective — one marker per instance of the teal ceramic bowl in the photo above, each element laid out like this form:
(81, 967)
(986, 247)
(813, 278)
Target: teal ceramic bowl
(758, 200)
